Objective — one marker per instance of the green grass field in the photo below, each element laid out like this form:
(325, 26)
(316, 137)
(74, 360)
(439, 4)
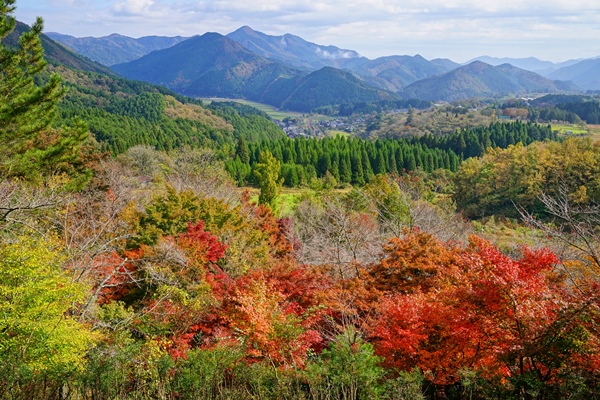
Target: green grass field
(334, 133)
(270, 110)
(570, 129)
(289, 197)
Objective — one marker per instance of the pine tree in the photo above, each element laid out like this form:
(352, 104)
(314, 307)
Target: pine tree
(345, 169)
(242, 151)
(29, 147)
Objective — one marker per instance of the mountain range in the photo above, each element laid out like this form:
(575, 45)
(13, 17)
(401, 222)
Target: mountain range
(544, 68)
(280, 70)
(479, 79)
(585, 74)
(294, 51)
(55, 53)
(115, 48)
(213, 65)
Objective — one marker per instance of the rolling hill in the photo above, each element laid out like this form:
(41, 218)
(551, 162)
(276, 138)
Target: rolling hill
(115, 48)
(479, 79)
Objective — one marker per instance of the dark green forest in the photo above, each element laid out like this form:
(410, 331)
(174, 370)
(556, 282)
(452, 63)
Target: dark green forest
(355, 161)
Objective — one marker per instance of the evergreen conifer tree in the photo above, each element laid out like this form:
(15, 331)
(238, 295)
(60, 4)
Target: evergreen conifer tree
(29, 147)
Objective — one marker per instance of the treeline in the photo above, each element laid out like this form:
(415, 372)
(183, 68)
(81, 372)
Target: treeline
(588, 111)
(356, 161)
(568, 108)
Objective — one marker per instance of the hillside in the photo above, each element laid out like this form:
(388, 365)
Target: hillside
(56, 53)
(294, 51)
(479, 79)
(121, 114)
(212, 65)
(115, 48)
(323, 87)
(207, 65)
(389, 73)
(447, 265)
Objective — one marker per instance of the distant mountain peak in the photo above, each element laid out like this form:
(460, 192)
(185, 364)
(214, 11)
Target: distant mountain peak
(115, 48)
(482, 80)
(292, 50)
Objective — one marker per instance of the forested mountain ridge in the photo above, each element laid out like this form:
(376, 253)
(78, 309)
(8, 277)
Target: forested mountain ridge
(56, 53)
(214, 65)
(263, 68)
(322, 88)
(396, 72)
(294, 51)
(122, 114)
(479, 79)
(532, 64)
(390, 73)
(115, 49)
(207, 65)
(585, 74)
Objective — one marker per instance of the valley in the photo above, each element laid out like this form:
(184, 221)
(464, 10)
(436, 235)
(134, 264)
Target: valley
(254, 216)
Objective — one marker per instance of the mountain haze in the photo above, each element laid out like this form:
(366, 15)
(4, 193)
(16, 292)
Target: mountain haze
(213, 65)
(544, 68)
(479, 79)
(294, 51)
(289, 72)
(55, 53)
(115, 48)
(586, 74)
(395, 72)
(389, 73)
(207, 65)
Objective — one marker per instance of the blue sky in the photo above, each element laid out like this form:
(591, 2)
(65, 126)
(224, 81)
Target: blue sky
(554, 30)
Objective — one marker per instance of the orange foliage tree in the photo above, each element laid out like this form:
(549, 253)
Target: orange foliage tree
(514, 319)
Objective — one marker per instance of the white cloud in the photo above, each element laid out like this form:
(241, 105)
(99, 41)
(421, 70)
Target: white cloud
(457, 29)
(133, 7)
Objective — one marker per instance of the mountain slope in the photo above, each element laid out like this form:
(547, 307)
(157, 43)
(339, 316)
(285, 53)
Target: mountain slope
(388, 73)
(57, 54)
(479, 79)
(115, 48)
(294, 51)
(544, 68)
(585, 74)
(213, 65)
(395, 72)
(207, 65)
(323, 87)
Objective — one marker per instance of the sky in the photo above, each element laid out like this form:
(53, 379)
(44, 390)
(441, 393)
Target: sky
(552, 30)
